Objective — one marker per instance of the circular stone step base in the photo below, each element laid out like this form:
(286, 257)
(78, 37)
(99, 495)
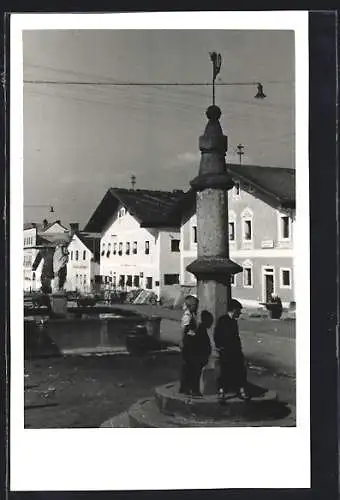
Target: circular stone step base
(263, 404)
(145, 413)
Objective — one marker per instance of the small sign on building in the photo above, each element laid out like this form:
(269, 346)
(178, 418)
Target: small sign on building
(267, 244)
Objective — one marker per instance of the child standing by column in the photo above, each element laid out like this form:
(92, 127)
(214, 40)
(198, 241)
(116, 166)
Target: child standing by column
(189, 327)
(233, 371)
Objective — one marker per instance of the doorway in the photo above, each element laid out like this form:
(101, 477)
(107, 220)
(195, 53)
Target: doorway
(268, 283)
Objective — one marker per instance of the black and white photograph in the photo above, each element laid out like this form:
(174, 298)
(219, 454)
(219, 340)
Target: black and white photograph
(162, 231)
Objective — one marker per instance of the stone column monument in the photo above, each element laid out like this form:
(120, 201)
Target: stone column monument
(213, 267)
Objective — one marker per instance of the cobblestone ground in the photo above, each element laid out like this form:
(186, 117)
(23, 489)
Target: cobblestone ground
(77, 391)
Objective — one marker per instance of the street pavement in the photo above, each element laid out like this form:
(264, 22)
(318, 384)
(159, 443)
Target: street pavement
(266, 343)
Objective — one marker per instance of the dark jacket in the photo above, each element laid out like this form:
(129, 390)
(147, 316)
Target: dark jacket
(197, 346)
(226, 337)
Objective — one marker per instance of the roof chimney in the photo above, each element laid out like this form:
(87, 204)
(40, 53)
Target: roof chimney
(74, 227)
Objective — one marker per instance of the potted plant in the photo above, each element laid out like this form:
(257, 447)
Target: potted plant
(274, 306)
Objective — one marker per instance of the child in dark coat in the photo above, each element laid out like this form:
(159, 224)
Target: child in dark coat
(233, 372)
(196, 351)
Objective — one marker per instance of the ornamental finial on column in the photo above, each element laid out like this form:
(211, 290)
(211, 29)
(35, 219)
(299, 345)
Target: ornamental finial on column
(216, 60)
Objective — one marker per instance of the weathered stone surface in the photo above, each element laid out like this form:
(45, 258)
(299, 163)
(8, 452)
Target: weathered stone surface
(58, 303)
(264, 404)
(215, 181)
(145, 413)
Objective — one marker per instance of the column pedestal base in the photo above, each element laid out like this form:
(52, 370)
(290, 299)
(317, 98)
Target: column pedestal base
(58, 303)
(209, 377)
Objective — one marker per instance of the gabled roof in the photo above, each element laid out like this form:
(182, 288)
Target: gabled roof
(43, 228)
(275, 183)
(91, 241)
(150, 207)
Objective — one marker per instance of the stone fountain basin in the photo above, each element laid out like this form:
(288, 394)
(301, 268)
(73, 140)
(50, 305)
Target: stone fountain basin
(92, 332)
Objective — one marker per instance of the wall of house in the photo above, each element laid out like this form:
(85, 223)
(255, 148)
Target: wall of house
(255, 294)
(126, 229)
(80, 270)
(188, 247)
(266, 223)
(29, 277)
(266, 248)
(169, 261)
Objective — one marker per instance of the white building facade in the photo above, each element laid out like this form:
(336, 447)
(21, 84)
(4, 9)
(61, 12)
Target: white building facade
(140, 241)
(83, 264)
(136, 257)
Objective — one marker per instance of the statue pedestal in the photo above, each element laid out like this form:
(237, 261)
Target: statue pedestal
(58, 303)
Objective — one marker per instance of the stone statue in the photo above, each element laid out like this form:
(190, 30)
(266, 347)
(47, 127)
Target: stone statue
(60, 259)
(47, 274)
(54, 267)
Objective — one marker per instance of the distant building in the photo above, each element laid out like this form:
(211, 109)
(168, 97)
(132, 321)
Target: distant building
(140, 239)
(261, 233)
(36, 234)
(83, 266)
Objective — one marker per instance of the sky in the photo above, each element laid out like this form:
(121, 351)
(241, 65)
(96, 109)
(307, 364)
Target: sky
(79, 140)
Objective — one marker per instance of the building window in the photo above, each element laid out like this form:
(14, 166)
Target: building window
(247, 229)
(148, 283)
(127, 248)
(174, 245)
(171, 279)
(84, 279)
(103, 249)
(84, 255)
(233, 280)
(129, 280)
(77, 279)
(147, 247)
(115, 249)
(71, 256)
(285, 276)
(134, 247)
(232, 231)
(120, 250)
(285, 227)
(156, 283)
(247, 277)
(108, 250)
(194, 234)
(136, 281)
(77, 255)
(121, 280)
